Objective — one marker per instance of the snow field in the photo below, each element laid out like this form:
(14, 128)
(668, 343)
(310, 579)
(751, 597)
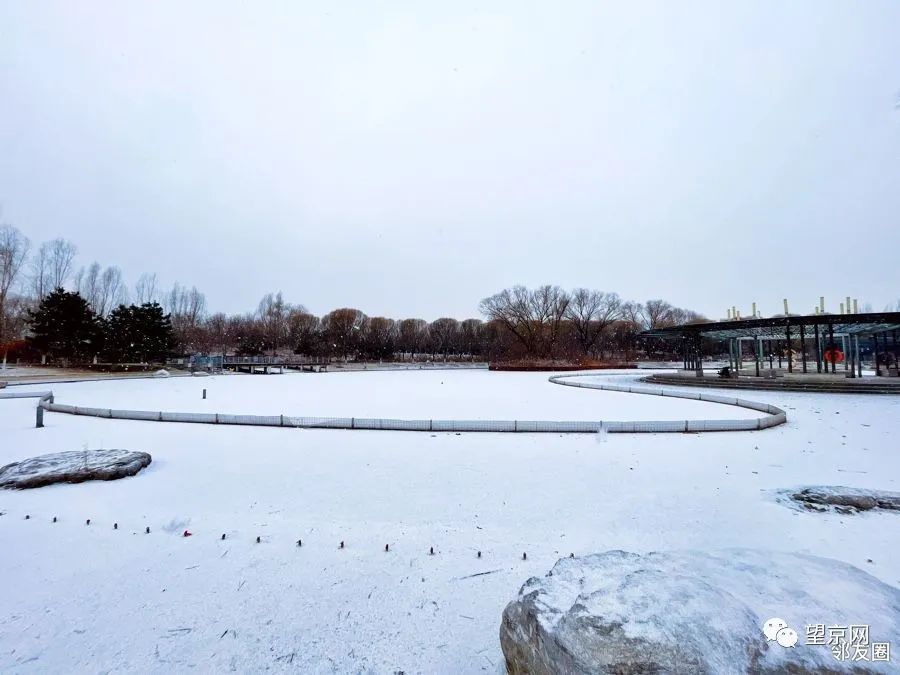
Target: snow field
(86, 598)
(467, 394)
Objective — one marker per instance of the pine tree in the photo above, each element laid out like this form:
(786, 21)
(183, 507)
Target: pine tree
(64, 326)
(138, 333)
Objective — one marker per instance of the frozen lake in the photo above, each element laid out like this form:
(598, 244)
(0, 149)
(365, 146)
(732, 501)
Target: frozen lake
(463, 394)
(82, 598)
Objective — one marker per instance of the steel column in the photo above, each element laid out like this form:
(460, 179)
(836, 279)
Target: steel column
(858, 359)
(699, 363)
(790, 352)
(818, 351)
(756, 342)
(831, 340)
(877, 365)
(803, 347)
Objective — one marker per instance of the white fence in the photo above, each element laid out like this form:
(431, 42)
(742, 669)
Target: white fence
(773, 416)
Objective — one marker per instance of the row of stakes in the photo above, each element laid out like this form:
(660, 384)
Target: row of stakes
(188, 533)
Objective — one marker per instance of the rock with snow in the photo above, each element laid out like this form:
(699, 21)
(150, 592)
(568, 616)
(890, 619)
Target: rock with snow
(842, 499)
(693, 612)
(72, 467)
(162, 372)
(200, 373)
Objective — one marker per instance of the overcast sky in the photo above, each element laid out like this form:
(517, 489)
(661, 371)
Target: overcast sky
(409, 161)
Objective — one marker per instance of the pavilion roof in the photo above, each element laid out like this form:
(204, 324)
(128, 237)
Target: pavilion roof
(867, 323)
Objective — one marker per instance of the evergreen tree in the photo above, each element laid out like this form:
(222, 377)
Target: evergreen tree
(64, 326)
(138, 333)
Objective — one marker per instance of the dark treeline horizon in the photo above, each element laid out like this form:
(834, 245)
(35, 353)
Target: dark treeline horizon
(543, 323)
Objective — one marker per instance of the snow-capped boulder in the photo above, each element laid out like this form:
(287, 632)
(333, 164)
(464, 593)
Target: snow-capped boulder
(693, 612)
(72, 467)
(162, 372)
(841, 499)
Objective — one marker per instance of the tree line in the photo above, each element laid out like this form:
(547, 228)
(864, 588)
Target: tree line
(91, 312)
(64, 326)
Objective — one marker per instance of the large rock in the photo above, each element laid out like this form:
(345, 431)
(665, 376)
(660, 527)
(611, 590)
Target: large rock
(692, 612)
(842, 499)
(72, 467)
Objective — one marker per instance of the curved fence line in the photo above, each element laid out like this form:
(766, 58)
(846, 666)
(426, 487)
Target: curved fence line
(45, 398)
(774, 416)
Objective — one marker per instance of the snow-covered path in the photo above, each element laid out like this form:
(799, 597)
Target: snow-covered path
(80, 598)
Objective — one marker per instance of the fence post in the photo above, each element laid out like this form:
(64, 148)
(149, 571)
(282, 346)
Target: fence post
(39, 417)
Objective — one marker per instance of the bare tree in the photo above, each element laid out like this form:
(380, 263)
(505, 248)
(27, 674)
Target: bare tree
(62, 255)
(247, 334)
(379, 337)
(633, 313)
(40, 272)
(510, 308)
(87, 283)
(591, 313)
(13, 253)
(303, 332)
(274, 314)
(549, 305)
(17, 316)
(103, 289)
(659, 314)
(112, 291)
(215, 337)
(146, 289)
(341, 331)
(533, 317)
(412, 336)
(444, 334)
(189, 304)
(471, 336)
(186, 308)
(682, 316)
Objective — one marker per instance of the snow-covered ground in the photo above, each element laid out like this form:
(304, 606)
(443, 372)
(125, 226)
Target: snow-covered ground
(465, 394)
(12, 371)
(80, 598)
